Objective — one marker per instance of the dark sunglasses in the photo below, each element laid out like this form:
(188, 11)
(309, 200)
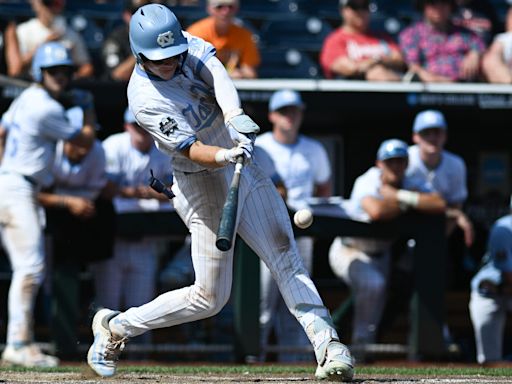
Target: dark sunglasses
(220, 6)
(167, 60)
(61, 69)
(359, 7)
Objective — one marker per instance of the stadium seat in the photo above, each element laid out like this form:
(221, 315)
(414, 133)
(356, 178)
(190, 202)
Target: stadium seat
(287, 63)
(302, 33)
(269, 9)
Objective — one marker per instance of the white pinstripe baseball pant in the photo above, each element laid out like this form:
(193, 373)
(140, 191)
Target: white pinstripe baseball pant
(264, 224)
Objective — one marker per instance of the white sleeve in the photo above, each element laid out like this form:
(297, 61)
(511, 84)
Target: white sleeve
(215, 75)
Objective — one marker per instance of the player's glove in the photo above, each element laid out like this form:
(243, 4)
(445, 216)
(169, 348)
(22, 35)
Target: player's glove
(225, 156)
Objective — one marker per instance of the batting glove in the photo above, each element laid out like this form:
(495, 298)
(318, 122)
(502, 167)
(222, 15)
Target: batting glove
(243, 124)
(225, 156)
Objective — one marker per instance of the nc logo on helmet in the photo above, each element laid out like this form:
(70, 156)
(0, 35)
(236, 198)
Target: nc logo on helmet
(165, 39)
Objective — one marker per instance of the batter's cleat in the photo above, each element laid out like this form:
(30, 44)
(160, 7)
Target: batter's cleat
(28, 356)
(106, 348)
(337, 365)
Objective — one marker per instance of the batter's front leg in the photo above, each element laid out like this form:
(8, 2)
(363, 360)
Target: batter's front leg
(265, 227)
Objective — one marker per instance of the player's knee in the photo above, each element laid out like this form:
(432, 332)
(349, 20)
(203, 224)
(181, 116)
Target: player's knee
(31, 275)
(373, 287)
(208, 303)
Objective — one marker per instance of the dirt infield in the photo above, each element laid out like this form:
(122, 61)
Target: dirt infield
(138, 378)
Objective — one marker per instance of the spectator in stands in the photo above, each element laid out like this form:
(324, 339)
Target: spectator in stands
(21, 41)
(478, 16)
(128, 279)
(381, 193)
(436, 50)
(81, 223)
(443, 171)
(303, 166)
(116, 52)
(235, 45)
(497, 61)
(491, 293)
(353, 51)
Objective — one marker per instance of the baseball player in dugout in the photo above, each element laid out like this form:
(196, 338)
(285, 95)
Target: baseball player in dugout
(303, 165)
(34, 122)
(381, 193)
(444, 171)
(235, 45)
(183, 96)
(491, 293)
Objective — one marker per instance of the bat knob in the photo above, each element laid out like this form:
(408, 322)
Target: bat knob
(223, 244)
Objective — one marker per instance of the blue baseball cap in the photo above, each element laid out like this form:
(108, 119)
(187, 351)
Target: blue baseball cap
(392, 148)
(129, 117)
(429, 119)
(285, 98)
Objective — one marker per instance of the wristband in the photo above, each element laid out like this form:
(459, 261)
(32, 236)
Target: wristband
(220, 157)
(407, 199)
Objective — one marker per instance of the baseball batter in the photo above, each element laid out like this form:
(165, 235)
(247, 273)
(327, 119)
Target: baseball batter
(35, 121)
(381, 193)
(182, 95)
(491, 293)
(303, 165)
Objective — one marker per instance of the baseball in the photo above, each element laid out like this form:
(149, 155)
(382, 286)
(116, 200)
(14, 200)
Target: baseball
(303, 218)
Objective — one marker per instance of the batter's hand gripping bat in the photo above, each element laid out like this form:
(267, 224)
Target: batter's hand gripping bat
(229, 212)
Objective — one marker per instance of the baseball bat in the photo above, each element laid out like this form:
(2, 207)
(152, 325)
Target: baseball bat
(160, 187)
(6, 81)
(228, 218)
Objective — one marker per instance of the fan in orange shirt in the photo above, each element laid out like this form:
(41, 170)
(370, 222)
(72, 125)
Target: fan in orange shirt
(235, 45)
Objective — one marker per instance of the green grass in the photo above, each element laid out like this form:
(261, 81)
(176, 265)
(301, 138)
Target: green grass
(284, 369)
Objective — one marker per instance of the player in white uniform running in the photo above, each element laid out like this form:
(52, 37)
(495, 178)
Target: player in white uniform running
(491, 293)
(444, 171)
(35, 121)
(381, 193)
(128, 279)
(181, 93)
(303, 165)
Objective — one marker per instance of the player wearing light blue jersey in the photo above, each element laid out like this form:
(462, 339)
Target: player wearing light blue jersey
(181, 93)
(303, 165)
(35, 121)
(381, 193)
(443, 171)
(491, 293)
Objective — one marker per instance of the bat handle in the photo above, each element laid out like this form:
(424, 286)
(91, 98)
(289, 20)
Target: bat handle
(239, 164)
(160, 187)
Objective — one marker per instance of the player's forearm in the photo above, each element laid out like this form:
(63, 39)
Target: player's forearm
(378, 209)
(203, 154)
(431, 203)
(52, 200)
